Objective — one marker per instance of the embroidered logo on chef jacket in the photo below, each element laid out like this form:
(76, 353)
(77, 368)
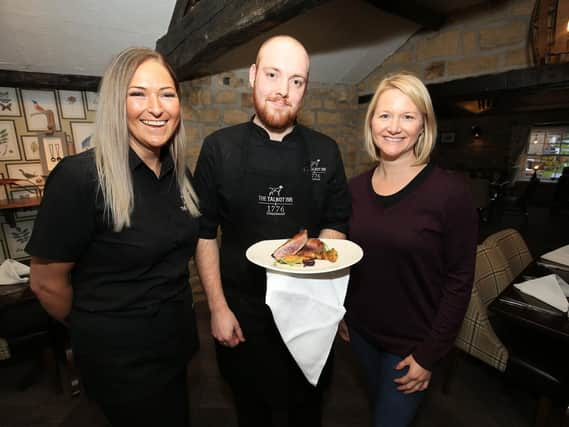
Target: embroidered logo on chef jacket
(316, 170)
(275, 201)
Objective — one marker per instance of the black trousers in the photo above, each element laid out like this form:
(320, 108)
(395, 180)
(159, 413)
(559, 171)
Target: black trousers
(269, 388)
(169, 408)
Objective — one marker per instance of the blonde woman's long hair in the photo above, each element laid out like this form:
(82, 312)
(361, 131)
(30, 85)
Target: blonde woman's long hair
(416, 90)
(111, 140)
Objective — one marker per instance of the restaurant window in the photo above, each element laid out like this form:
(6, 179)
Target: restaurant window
(547, 153)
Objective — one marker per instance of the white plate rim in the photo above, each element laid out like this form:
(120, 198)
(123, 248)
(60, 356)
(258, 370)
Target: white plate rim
(266, 247)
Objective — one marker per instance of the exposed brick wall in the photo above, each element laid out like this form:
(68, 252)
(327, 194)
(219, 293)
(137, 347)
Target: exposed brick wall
(481, 40)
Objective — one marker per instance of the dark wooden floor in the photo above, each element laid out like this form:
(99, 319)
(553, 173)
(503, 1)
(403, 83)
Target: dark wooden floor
(479, 395)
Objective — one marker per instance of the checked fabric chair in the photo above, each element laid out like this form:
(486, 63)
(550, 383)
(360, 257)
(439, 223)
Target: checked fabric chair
(477, 337)
(513, 247)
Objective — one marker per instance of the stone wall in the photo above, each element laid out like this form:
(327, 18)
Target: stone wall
(477, 41)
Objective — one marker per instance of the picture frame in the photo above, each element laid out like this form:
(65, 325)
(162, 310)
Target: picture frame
(53, 148)
(71, 104)
(17, 237)
(23, 194)
(92, 99)
(31, 147)
(9, 102)
(40, 110)
(30, 173)
(81, 133)
(9, 148)
(447, 137)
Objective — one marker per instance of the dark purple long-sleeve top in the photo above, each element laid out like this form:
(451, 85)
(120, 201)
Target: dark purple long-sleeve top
(410, 292)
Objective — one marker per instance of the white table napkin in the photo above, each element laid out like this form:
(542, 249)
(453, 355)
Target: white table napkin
(11, 272)
(307, 310)
(558, 256)
(550, 289)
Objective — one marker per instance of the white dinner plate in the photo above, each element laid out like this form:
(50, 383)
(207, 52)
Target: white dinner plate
(349, 253)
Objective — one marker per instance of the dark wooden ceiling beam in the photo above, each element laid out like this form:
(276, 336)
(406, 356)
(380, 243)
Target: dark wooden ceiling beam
(414, 11)
(544, 76)
(22, 79)
(549, 76)
(181, 9)
(213, 27)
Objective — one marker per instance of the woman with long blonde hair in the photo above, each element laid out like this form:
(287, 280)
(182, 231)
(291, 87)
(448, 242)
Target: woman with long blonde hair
(111, 244)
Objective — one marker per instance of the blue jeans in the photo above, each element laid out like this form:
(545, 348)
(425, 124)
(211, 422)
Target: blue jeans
(391, 408)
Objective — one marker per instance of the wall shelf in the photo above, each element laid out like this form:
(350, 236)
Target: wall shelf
(7, 207)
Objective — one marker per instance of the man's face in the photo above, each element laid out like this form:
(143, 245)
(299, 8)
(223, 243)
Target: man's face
(279, 83)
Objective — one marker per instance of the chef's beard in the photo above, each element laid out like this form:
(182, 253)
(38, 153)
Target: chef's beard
(274, 119)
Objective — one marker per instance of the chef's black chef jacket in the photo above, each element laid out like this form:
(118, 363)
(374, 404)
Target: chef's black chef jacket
(256, 189)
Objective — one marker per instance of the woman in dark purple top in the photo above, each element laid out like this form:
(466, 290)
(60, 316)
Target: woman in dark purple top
(418, 228)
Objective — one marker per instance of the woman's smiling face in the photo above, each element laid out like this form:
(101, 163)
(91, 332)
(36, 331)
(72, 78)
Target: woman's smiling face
(396, 125)
(152, 107)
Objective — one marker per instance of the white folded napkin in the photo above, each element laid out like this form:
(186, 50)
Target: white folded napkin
(550, 289)
(558, 256)
(11, 272)
(307, 310)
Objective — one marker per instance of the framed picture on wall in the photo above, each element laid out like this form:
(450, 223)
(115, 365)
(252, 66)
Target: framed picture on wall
(53, 148)
(31, 147)
(71, 103)
(30, 174)
(9, 103)
(17, 237)
(40, 110)
(24, 194)
(92, 100)
(81, 132)
(9, 149)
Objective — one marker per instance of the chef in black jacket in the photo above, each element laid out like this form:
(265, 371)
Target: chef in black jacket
(111, 244)
(265, 179)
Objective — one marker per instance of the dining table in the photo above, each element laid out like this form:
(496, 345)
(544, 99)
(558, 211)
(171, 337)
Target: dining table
(537, 337)
(522, 311)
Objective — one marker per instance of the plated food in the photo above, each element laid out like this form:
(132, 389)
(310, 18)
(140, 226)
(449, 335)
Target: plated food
(261, 254)
(300, 250)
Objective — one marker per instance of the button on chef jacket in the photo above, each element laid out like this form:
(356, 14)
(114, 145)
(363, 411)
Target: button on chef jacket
(257, 189)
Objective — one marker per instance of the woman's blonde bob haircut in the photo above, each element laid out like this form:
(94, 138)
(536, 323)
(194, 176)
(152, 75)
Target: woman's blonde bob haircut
(414, 88)
(111, 139)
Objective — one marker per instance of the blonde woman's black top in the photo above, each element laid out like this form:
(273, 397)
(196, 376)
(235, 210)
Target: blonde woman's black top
(129, 271)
